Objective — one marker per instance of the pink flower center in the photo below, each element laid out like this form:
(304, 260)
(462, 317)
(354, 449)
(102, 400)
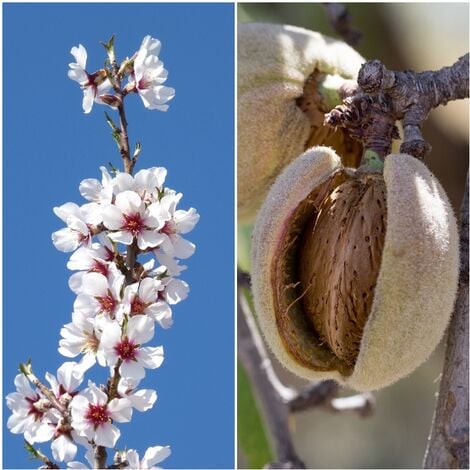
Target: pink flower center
(91, 343)
(143, 83)
(133, 223)
(33, 410)
(83, 238)
(109, 254)
(126, 350)
(168, 228)
(97, 414)
(137, 306)
(99, 267)
(107, 303)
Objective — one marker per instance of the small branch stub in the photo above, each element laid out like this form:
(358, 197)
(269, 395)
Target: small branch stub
(385, 96)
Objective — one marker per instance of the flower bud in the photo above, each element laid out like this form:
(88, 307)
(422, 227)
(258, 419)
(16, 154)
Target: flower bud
(281, 70)
(354, 273)
(110, 100)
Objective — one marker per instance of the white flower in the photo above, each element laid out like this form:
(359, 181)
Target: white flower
(142, 299)
(92, 415)
(170, 264)
(152, 456)
(130, 219)
(30, 412)
(92, 190)
(80, 337)
(98, 294)
(175, 291)
(180, 221)
(96, 259)
(92, 84)
(147, 183)
(127, 347)
(69, 377)
(142, 400)
(80, 221)
(149, 75)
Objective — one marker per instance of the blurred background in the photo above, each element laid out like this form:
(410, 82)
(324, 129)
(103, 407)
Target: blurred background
(420, 37)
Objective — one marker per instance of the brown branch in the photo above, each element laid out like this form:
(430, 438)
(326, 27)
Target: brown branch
(362, 404)
(384, 96)
(123, 136)
(277, 400)
(45, 391)
(37, 454)
(342, 22)
(99, 457)
(273, 408)
(448, 440)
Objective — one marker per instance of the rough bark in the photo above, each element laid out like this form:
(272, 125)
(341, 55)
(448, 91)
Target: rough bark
(448, 441)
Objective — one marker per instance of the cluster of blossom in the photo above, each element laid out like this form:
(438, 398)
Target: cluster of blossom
(115, 310)
(145, 71)
(120, 297)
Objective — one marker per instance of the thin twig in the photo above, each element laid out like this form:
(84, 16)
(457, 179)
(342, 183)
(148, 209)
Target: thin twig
(362, 404)
(273, 407)
(448, 441)
(276, 399)
(342, 22)
(99, 457)
(37, 454)
(384, 96)
(316, 394)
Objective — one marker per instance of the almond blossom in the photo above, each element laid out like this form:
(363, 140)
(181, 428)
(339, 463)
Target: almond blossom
(143, 299)
(98, 294)
(95, 258)
(30, 412)
(126, 348)
(178, 222)
(92, 84)
(130, 220)
(92, 415)
(69, 377)
(149, 75)
(142, 400)
(82, 336)
(121, 290)
(148, 183)
(152, 456)
(92, 190)
(80, 224)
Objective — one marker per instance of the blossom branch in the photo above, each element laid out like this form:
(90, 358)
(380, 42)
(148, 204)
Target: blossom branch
(119, 300)
(27, 370)
(383, 97)
(37, 454)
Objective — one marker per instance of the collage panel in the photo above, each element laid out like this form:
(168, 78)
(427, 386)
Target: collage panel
(351, 216)
(118, 190)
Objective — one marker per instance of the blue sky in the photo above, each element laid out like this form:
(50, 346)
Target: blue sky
(50, 146)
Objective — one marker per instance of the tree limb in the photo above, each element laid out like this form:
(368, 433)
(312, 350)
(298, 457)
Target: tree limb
(342, 22)
(448, 440)
(277, 401)
(273, 408)
(384, 96)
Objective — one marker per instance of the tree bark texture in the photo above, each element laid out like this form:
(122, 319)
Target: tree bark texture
(448, 441)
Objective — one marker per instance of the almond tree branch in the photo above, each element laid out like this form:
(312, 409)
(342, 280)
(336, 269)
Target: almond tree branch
(37, 454)
(448, 441)
(342, 22)
(276, 400)
(274, 410)
(384, 96)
